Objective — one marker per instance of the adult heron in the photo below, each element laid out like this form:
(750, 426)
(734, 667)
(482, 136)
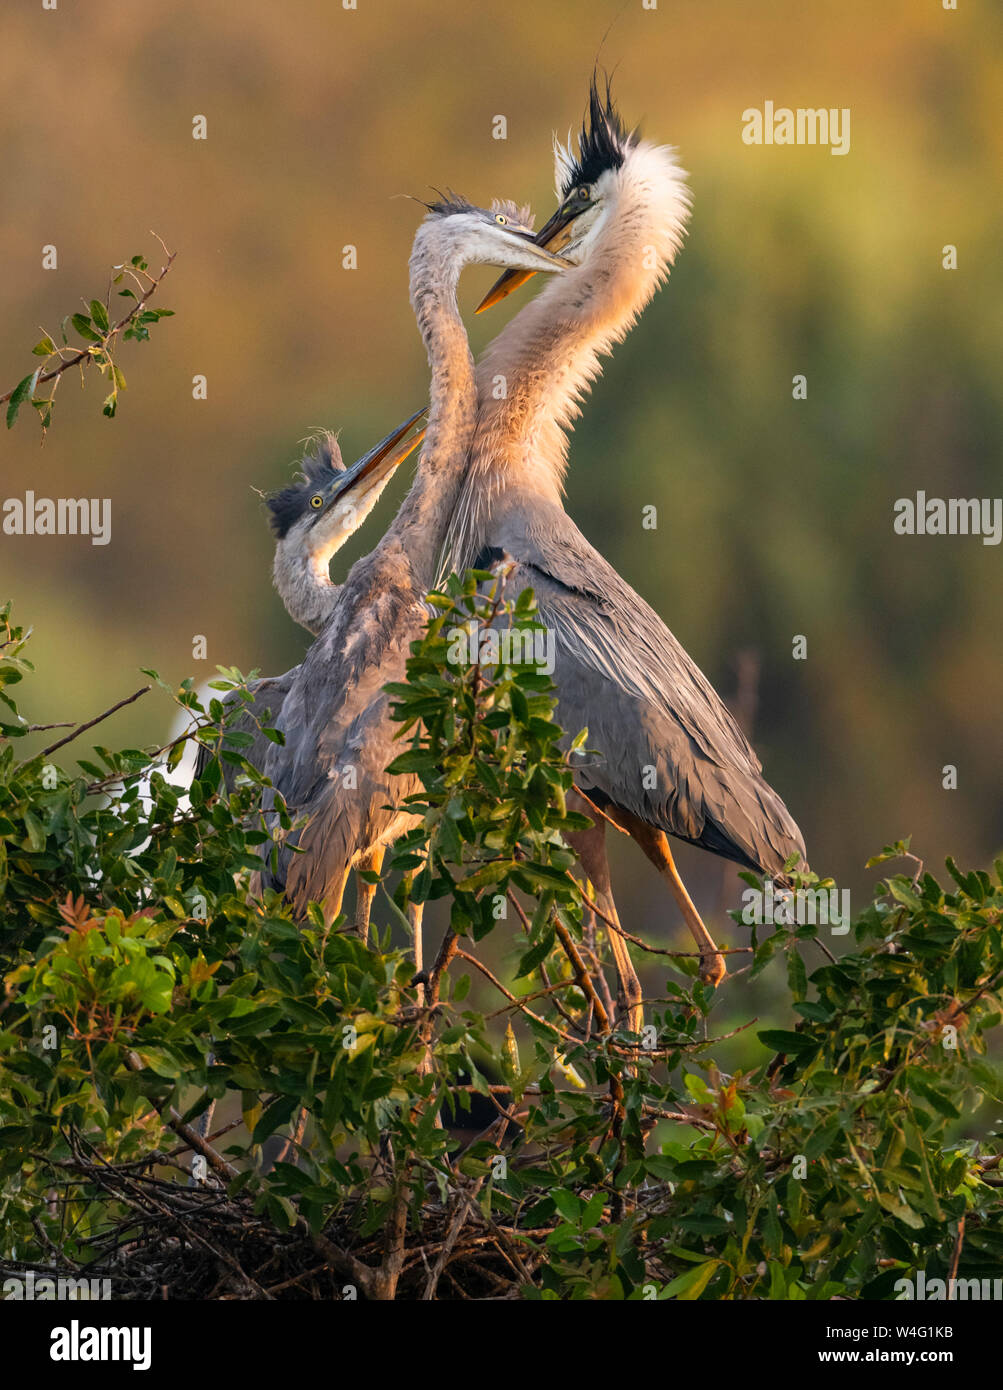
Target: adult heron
(339, 737)
(672, 761)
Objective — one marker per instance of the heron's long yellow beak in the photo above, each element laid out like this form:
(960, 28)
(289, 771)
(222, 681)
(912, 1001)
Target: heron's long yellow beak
(552, 237)
(385, 456)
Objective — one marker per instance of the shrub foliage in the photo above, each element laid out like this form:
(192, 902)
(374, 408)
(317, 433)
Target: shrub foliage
(145, 978)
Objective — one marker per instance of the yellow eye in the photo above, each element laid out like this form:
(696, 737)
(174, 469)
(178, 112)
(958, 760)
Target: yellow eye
(585, 192)
(501, 219)
(316, 501)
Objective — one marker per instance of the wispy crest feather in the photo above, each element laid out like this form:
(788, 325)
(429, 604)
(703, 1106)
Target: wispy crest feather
(449, 203)
(551, 351)
(521, 214)
(322, 465)
(603, 142)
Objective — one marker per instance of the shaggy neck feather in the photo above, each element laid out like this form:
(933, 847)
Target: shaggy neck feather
(547, 357)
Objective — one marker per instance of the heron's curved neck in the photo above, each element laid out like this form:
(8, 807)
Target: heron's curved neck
(533, 376)
(535, 373)
(304, 583)
(301, 570)
(421, 522)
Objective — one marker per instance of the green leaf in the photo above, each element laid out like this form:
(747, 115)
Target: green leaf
(82, 323)
(567, 1204)
(899, 1209)
(926, 1087)
(773, 1234)
(593, 1210)
(488, 874)
(277, 1114)
(689, 1286)
(414, 760)
(22, 392)
(783, 1040)
(797, 978)
(36, 835)
(535, 955)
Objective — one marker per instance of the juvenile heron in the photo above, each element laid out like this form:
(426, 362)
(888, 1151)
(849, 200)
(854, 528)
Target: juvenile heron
(335, 716)
(311, 520)
(314, 516)
(672, 760)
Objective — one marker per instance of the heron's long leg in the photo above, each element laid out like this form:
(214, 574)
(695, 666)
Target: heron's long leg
(203, 1128)
(590, 846)
(371, 862)
(332, 902)
(655, 844)
(416, 911)
(289, 1150)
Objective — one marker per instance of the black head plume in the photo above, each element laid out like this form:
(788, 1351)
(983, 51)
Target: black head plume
(320, 467)
(449, 203)
(603, 142)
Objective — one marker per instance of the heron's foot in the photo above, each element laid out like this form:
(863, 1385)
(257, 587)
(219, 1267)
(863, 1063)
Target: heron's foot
(712, 968)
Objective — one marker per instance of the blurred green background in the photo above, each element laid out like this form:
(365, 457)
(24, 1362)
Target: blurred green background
(775, 516)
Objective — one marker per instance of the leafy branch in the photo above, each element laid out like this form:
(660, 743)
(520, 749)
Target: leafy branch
(146, 978)
(99, 333)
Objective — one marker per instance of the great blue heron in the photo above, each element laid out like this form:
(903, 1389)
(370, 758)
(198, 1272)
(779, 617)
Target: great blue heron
(672, 760)
(313, 517)
(335, 716)
(311, 520)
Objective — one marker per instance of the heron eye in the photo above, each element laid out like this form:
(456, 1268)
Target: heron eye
(585, 192)
(501, 219)
(316, 501)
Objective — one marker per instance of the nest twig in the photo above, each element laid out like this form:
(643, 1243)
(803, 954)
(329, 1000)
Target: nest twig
(179, 1242)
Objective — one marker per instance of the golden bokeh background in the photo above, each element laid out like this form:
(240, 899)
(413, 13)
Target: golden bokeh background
(775, 516)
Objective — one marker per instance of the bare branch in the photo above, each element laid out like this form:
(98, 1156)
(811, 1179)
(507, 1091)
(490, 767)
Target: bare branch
(82, 728)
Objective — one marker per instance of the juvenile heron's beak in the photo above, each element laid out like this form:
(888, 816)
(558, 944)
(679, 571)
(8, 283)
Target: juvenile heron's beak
(383, 458)
(551, 237)
(546, 255)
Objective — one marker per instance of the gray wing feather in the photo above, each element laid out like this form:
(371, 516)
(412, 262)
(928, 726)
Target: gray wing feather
(269, 695)
(335, 717)
(647, 705)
